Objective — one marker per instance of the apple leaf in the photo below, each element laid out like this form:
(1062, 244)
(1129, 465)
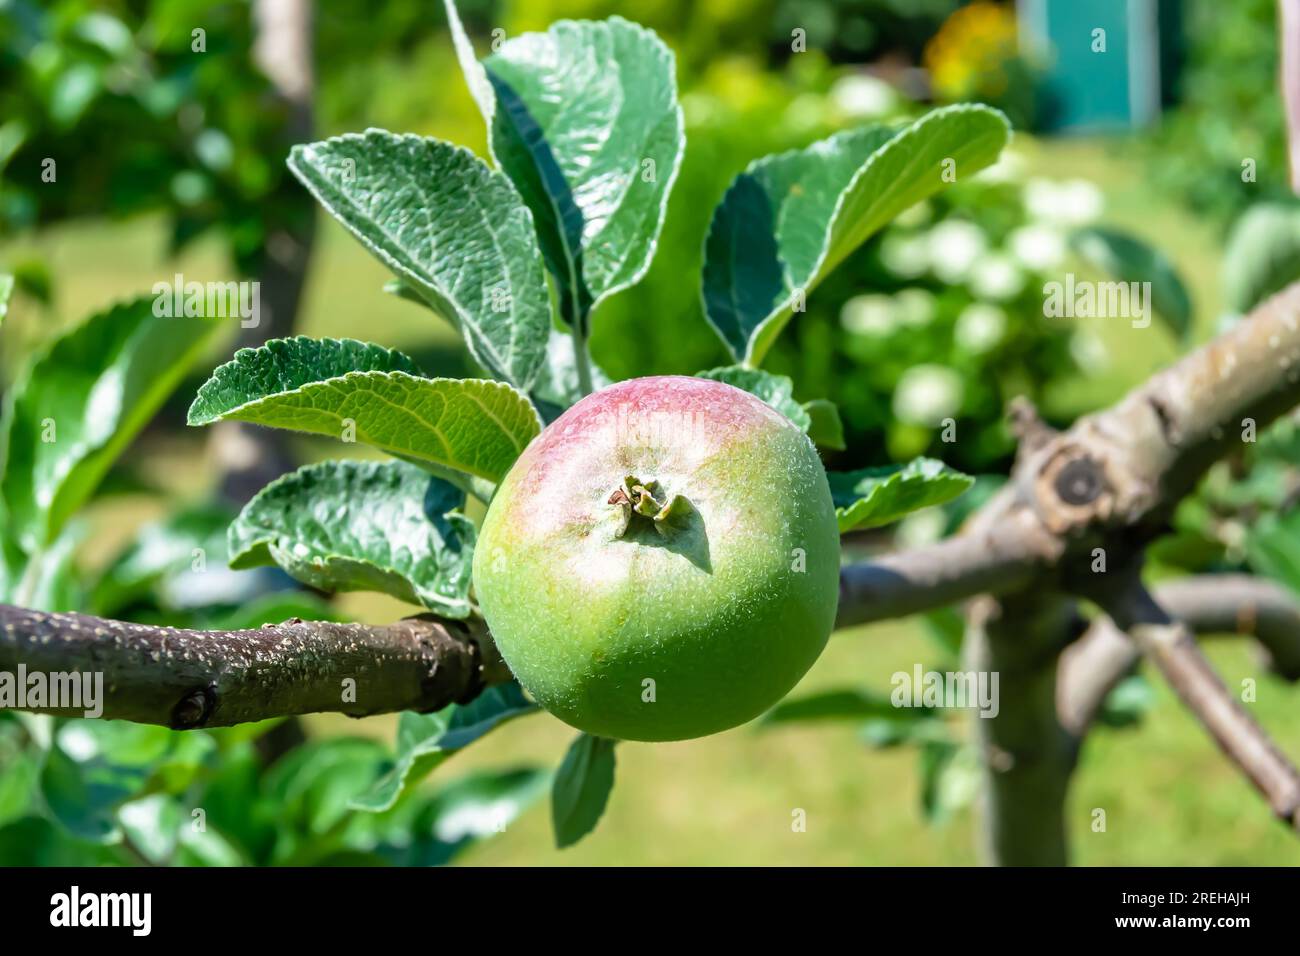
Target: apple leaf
(6, 290)
(791, 218)
(776, 390)
(825, 428)
(872, 497)
(283, 365)
(581, 788)
(1126, 258)
(585, 121)
(79, 405)
(1272, 547)
(474, 426)
(455, 231)
(161, 556)
(363, 526)
(1128, 703)
(951, 775)
(425, 740)
(1262, 256)
(845, 704)
(475, 807)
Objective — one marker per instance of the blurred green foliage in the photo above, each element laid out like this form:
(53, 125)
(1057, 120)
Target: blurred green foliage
(1229, 111)
(845, 31)
(120, 108)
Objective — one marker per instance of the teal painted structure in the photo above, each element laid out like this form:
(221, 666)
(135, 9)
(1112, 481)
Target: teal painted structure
(1101, 63)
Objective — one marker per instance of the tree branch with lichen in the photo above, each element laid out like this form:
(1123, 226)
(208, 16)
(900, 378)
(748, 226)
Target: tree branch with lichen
(187, 679)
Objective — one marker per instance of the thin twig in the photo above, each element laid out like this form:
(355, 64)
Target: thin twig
(1171, 646)
(1208, 604)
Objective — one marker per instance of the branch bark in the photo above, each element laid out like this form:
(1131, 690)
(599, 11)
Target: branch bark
(1027, 757)
(186, 679)
(1170, 645)
(997, 557)
(1208, 604)
(249, 457)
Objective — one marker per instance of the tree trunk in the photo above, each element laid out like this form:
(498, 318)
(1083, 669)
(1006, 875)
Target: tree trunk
(1026, 755)
(250, 457)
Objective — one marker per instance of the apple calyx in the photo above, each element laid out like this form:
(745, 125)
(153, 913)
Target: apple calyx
(640, 502)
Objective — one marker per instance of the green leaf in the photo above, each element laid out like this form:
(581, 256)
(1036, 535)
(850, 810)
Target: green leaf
(206, 847)
(950, 779)
(906, 725)
(6, 290)
(18, 783)
(79, 405)
(84, 809)
(312, 787)
(872, 497)
(790, 219)
(844, 704)
(946, 627)
(1128, 702)
(12, 563)
(581, 788)
(451, 228)
(426, 740)
(825, 428)
(587, 125)
(470, 425)
(776, 390)
(473, 808)
(1273, 548)
(1262, 255)
(1126, 258)
(37, 841)
(93, 767)
(153, 824)
(283, 365)
(162, 550)
(363, 526)
(52, 580)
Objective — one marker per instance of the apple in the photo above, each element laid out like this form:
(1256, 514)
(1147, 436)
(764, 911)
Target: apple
(662, 562)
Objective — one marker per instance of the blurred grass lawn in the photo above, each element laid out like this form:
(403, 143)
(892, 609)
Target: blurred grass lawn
(1169, 797)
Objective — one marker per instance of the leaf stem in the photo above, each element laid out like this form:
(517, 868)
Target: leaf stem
(581, 358)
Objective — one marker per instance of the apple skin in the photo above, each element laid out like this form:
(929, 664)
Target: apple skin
(725, 612)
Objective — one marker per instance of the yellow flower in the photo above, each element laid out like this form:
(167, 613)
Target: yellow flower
(967, 57)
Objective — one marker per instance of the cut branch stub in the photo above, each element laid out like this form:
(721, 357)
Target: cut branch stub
(1072, 490)
(1079, 482)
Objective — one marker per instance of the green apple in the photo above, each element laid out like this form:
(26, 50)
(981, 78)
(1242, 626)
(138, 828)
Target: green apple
(662, 562)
